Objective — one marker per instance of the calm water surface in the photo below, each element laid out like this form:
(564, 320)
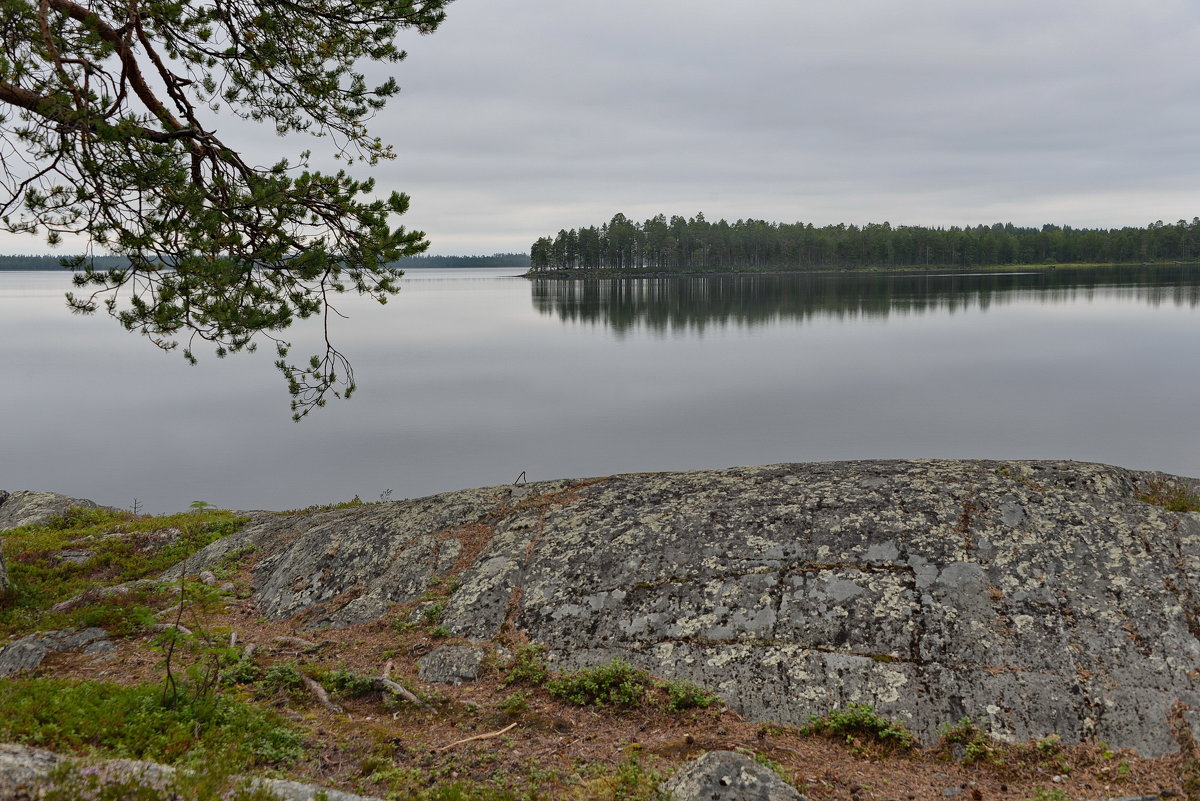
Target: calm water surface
(469, 377)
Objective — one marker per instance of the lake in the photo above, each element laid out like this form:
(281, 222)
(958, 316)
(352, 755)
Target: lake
(474, 377)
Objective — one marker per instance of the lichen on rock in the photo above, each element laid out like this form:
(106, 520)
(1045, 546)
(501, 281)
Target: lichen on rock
(1037, 598)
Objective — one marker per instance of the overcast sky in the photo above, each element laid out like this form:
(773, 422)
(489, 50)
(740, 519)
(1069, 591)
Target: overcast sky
(521, 117)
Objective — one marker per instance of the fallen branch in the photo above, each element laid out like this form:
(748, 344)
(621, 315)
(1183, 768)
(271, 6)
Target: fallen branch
(384, 683)
(478, 737)
(322, 696)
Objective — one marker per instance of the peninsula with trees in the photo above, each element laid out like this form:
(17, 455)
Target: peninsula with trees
(662, 245)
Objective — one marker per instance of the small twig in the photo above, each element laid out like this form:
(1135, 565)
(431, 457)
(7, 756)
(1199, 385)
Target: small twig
(478, 737)
(385, 683)
(319, 691)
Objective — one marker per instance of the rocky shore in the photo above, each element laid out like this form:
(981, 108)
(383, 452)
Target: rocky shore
(1037, 598)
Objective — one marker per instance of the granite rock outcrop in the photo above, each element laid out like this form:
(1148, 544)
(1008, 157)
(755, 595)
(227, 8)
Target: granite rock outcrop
(1036, 598)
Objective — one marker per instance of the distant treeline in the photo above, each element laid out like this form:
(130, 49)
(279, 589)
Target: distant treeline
(55, 262)
(678, 244)
(494, 260)
(520, 260)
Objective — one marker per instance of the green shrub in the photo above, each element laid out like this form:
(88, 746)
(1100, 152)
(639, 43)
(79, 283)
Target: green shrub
(615, 684)
(857, 721)
(348, 684)
(683, 695)
(282, 679)
(431, 614)
(243, 671)
(133, 722)
(527, 667)
(515, 703)
(977, 745)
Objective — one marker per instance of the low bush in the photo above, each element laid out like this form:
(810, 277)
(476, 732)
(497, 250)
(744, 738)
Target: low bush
(858, 721)
(348, 684)
(134, 722)
(528, 667)
(616, 684)
(976, 744)
(683, 695)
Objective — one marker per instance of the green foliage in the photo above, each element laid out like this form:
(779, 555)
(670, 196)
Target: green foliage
(977, 745)
(682, 244)
(629, 781)
(857, 721)
(348, 684)
(72, 782)
(515, 702)
(771, 764)
(1042, 794)
(243, 671)
(133, 722)
(282, 679)
(113, 547)
(528, 667)
(616, 684)
(683, 695)
(143, 172)
(432, 613)
(1170, 495)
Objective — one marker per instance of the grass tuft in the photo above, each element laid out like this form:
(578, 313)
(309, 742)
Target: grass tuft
(1170, 495)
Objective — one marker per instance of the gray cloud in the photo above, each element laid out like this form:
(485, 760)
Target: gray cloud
(520, 117)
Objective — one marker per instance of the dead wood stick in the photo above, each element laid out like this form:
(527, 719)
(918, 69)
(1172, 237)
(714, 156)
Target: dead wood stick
(385, 683)
(387, 669)
(319, 691)
(478, 737)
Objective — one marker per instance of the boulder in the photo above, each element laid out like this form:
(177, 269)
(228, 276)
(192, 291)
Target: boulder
(727, 776)
(22, 769)
(26, 507)
(24, 773)
(28, 652)
(1036, 598)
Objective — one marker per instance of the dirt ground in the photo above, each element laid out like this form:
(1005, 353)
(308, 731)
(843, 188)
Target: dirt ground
(520, 737)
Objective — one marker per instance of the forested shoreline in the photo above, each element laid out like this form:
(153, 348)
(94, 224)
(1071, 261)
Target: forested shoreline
(520, 260)
(694, 244)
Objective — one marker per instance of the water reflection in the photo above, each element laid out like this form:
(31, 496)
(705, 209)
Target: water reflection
(677, 305)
